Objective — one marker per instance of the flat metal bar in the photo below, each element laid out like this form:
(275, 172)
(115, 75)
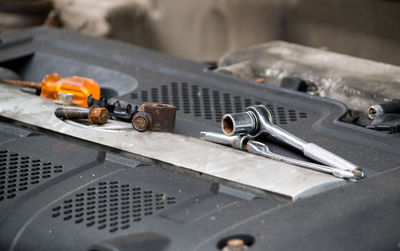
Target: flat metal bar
(223, 162)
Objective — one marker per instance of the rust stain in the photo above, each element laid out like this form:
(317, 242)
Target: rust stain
(62, 147)
(98, 115)
(162, 116)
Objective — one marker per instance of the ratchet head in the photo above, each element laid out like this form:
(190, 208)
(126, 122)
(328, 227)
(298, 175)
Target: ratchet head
(262, 114)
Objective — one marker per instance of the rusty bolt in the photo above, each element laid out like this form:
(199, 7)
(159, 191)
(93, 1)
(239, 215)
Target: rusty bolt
(141, 121)
(96, 115)
(162, 116)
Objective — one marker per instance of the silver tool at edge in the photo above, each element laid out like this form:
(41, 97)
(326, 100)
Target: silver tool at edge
(236, 141)
(245, 142)
(258, 119)
(263, 150)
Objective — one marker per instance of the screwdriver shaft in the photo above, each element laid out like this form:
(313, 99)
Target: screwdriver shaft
(23, 83)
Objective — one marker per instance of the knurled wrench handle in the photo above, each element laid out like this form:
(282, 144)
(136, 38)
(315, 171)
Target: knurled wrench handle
(327, 158)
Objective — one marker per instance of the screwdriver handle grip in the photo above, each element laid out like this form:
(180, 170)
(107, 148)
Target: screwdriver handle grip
(328, 158)
(80, 87)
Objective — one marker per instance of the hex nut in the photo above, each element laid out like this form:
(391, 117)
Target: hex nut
(162, 115)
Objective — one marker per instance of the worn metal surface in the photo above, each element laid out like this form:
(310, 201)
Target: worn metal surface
(187, 152)
(356, 82)
(162, 116)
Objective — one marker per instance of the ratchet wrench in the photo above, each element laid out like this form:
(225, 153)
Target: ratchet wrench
(247, 143)
(258, 119)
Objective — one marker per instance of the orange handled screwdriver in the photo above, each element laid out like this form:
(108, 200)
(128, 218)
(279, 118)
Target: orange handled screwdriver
(53, 84)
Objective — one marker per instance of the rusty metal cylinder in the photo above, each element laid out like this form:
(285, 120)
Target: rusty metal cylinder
(71, 113)
(95, 115)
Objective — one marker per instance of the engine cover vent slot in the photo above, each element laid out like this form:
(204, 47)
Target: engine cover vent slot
(111, 206)
(18, 173)
(211, 104)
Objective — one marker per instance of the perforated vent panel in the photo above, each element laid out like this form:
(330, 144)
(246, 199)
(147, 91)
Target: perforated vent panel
(210, 104)
(19, 173)
(111, 206)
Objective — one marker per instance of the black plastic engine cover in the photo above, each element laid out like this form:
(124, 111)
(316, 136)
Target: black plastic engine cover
(56, 193)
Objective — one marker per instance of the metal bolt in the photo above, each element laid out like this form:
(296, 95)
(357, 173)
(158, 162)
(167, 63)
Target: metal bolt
(142, 121)
(95, 115)
(235, 244)
(380, 109)
(98, 115)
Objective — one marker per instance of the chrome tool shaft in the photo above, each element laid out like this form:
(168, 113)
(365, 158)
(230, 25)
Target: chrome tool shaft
(258, 119)
(246, 143)
(236, 141)
(261, 149)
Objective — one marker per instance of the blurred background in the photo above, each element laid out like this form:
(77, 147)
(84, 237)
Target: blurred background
(205, 30)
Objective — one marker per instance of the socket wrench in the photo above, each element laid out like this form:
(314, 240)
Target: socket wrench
(246, 143)
(257, 119)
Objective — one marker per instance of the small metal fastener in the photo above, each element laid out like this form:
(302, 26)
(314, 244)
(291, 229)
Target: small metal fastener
(96, 115)
(235, 244)
(392, 106)
(141, 121)
(375, 111)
